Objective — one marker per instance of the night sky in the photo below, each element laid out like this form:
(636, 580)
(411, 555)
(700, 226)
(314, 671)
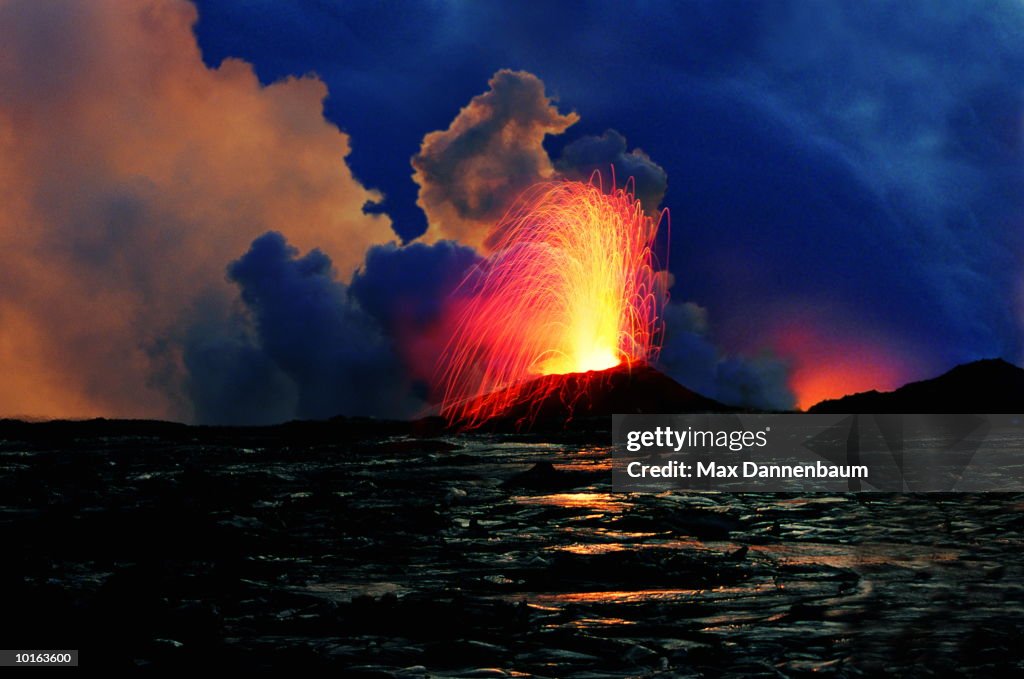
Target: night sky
(252, 212)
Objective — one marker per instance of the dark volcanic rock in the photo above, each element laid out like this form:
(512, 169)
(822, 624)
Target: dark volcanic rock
(291, 548)
(570, 400)
(988, 386)
(545, 476)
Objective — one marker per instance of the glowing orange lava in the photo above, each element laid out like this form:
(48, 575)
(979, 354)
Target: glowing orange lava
(570, 287)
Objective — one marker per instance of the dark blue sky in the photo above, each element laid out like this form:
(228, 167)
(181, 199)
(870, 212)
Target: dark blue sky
(853, 167)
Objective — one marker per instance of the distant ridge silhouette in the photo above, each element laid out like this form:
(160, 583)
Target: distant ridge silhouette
(576, 401)
(987, 386)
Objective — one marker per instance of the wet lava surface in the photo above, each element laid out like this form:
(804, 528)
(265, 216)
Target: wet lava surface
(486, 556)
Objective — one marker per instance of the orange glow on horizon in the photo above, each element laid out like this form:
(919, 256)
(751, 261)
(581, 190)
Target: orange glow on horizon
(815, 384)
(827, 367)
(570, 287)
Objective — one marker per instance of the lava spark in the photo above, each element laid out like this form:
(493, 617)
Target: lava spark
(570, 286)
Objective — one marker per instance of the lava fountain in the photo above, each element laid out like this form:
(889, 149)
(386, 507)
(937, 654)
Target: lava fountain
(570, 286)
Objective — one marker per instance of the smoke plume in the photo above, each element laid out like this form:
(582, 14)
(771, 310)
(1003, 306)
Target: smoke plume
(130, 173)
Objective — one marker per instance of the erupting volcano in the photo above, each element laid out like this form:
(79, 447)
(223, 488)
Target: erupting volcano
(570, 286)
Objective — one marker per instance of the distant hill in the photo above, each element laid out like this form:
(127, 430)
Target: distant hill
(987, 386)
(578, 402)
(624, 389)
